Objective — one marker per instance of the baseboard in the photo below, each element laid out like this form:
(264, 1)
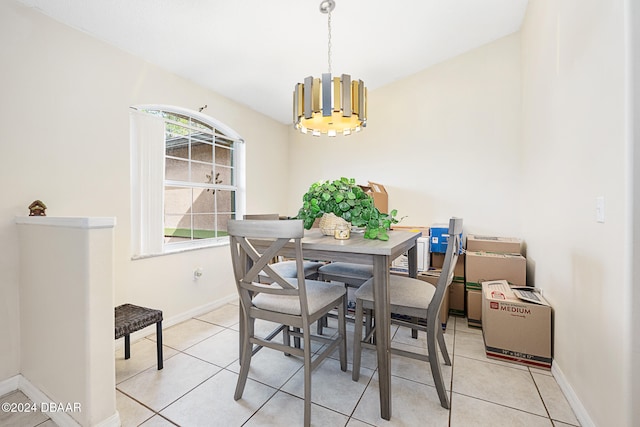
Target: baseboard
(174, 320)
(62, 419)
(578, 408)
(9, 385)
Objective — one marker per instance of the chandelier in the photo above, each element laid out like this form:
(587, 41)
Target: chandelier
(330, 105)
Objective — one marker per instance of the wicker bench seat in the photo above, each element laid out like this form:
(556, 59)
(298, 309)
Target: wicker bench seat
(131, 318)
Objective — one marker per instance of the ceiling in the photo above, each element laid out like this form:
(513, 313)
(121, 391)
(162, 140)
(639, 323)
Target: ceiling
(255, 51)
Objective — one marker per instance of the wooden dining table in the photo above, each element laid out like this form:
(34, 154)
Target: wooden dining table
(378, 253)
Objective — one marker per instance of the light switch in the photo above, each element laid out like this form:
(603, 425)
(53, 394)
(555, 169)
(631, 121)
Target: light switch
(600, 209)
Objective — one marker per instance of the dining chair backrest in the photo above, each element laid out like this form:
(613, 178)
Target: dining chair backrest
(448, 267)
(273, 235)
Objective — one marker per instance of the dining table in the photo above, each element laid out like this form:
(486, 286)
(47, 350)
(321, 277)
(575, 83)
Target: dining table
(379, 253)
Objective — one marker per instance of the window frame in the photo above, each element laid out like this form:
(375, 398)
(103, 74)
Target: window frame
(238, 178)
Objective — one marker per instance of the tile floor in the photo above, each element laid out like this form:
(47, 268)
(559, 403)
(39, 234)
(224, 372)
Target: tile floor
(196, 386)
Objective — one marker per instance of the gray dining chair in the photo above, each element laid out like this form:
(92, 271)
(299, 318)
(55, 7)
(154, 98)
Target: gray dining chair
(293, 302)
(352, 275)
(415, 299)
(285, 268)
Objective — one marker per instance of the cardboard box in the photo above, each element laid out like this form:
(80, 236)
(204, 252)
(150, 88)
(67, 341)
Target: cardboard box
(437, 261)
(456, 298)
(516, 330)
(433, 279)
(456, 295)
(505, 245)
(379, 194)
(401, 264)
(474, 308)
(439, 234)
(485, 266)
(414, 229)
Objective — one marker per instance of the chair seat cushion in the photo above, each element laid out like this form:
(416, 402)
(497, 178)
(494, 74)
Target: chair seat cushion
(347, 269)
(287, 269)
(319, 294)
(409, 296)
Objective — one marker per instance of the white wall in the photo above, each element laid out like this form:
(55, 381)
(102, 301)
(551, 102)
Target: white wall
(444, 142)
(634, 80)
(575, 149)
(64, 113)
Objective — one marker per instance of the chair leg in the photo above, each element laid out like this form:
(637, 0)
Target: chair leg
(159, 344)
(307, 375)
(127, 346)
(414, 332)
(296, 340)
(435, 365)
(357, 341)
(245, 359)
(320, 324)
(443, 347)
(342, 332)
(286, 338)
(370, 322)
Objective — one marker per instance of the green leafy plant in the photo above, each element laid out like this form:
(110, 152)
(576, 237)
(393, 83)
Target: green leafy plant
(347, 200)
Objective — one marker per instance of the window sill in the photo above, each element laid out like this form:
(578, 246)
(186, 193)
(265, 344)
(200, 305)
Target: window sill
(184, 247)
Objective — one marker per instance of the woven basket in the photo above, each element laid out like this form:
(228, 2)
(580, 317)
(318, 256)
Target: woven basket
(328, 223)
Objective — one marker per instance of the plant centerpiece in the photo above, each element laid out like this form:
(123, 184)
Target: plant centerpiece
(348, 201)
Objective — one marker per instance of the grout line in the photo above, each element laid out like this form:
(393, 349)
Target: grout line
(540, 394)
(503, 405)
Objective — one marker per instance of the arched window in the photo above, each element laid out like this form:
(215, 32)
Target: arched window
(187, 174)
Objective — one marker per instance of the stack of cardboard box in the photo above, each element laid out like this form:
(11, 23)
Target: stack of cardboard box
(491, 258)
(438, 242)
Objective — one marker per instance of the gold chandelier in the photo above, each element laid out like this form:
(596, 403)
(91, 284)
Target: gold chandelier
(330, 105)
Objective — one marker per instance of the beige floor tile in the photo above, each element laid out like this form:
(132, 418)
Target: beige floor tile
(220, 349)
(554, 399)
(356, 423)
(403, 335)
(143, 357)
(326, 379)
(286, 410)
(157, 421)
(22, 411)
(561, 424)
(264, 328)
(412, 404)
(498, 384)
(213, 400)
(185, 334)
(418, 370)
(471, 345)
(157, 389)
(131, 412)
(463, 326)
(468, 411)
(226, 316)
(540, 371)
(48, 423)
(18, 416)
(270, 367)
(368, 358)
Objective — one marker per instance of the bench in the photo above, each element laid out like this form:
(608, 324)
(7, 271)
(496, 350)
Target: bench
(131, 318)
